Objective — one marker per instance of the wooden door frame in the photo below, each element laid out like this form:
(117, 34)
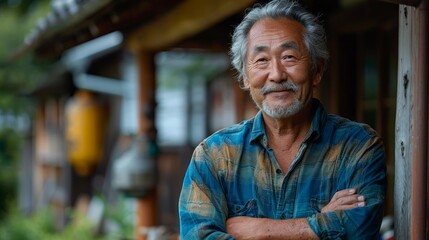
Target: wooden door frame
(411, 138)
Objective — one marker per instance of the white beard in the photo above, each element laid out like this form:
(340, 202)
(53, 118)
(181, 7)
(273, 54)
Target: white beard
(282, 111)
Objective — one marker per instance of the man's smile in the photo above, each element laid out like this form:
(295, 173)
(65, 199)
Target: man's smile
(279, 88)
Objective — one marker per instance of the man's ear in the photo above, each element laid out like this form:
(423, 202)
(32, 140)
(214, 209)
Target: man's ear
(318, 74)
(317, 79)
(246, 83)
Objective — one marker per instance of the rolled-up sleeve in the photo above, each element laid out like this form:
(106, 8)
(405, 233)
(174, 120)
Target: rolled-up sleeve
(202, 205)
(368, 175)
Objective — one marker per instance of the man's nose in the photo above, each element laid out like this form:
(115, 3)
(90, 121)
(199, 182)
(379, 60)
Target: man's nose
(277, 71)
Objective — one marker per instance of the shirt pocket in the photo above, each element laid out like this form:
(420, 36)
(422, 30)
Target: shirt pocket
(249, 209)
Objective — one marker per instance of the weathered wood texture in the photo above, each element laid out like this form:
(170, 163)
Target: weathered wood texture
(411, 125)
(402, 193)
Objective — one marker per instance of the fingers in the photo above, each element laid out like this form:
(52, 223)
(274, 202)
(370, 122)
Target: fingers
(349, 197)
(344, 200)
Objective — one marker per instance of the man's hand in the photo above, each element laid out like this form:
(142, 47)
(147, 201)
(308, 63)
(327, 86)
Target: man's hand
(344, 200)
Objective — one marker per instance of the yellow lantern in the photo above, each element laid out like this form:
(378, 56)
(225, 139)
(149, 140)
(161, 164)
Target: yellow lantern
(85, 131)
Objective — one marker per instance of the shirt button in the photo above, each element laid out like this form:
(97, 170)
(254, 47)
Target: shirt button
(279, 171)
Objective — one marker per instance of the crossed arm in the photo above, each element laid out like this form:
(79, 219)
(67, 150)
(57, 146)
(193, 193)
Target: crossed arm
(263, 228)
(204, 214)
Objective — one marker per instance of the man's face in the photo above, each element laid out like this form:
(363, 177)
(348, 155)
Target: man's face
(278, 67)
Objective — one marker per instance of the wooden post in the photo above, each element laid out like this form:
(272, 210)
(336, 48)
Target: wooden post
(411, 125)
(146, 207)
(418, 17)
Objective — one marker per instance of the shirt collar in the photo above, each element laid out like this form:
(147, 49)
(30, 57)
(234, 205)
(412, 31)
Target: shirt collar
(258, 129)
(319, 118)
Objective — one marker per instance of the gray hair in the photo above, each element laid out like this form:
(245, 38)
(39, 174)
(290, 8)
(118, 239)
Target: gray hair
(314, 33)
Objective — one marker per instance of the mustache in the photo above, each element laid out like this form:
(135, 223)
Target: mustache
(282, 86)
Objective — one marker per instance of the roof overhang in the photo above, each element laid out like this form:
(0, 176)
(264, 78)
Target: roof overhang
(74, 22)
(147, 25)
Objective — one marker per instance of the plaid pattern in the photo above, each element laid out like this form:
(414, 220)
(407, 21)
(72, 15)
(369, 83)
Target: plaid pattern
(234, 173)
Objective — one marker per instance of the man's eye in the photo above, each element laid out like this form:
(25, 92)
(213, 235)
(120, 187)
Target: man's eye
(289, 57)
(261, 60)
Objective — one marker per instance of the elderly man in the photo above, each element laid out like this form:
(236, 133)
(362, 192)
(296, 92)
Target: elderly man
(293, 171)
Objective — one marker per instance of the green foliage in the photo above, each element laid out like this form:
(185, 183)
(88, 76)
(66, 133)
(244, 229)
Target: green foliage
(17, 76)
(41, 225)
(123, 217)
(20, 75)
(10, 142)
(79, 228)
(21, 7)
(14, 26)
(8, 185)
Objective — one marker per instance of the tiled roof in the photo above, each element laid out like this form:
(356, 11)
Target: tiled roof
(64, 14)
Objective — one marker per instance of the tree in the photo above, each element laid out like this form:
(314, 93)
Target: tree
(17, 76)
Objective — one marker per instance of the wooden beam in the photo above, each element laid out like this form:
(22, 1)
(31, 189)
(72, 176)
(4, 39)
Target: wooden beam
(185, 20)
(411, 139)
(147, 215)
(414, 3)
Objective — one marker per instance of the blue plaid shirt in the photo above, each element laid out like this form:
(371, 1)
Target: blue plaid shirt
(234, 173)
